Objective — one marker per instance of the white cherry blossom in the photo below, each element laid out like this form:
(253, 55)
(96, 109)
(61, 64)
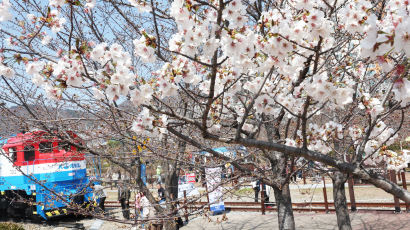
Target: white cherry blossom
(6, 71)
(5, 14)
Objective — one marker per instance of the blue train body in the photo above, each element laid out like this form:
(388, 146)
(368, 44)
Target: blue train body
(41, 176)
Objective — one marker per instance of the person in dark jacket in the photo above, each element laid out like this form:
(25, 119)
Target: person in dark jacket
(124, 194)
(256, 189)
(161, 194)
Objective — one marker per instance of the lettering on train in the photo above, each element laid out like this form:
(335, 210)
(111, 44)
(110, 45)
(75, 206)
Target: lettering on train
(70, 166)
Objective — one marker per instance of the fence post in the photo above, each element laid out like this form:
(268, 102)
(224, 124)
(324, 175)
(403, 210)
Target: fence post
(325, 195)
(262, 199)
(398, 176)
(304, 177)
(185, 207)
(403, 180)
(396, 199)
(350, 184)
(136, 211)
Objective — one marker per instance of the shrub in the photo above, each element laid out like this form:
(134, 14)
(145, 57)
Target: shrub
(10, 226)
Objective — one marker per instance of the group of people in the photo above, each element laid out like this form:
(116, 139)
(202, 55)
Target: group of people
(124, 195)
(144, 210)
(143, 207)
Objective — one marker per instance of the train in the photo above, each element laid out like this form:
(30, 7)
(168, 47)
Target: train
(43, 177)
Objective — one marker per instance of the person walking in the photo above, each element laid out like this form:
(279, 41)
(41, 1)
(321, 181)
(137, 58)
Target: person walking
(124, 194)
(115, 177)
(143, 208)
(256, 189)
(158, 171)
(138, 208)
(100, 194)
(268, 191)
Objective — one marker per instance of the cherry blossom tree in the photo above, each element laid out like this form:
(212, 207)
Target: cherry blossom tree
(313, 79)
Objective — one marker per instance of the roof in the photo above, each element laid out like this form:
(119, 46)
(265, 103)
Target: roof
(3, 141)
(227, 151)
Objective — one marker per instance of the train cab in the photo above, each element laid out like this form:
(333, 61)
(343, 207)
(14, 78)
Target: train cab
(40, 167)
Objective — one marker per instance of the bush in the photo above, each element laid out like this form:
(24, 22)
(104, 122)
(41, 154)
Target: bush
(244, 191)
(10, 226)
(396, 146)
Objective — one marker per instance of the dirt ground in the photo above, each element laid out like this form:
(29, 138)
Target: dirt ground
(254, 220)
(306, 221)
(362, 193)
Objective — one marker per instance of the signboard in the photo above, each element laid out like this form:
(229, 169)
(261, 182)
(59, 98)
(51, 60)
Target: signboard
(144, 174)
(213, 183)
(190, 177)
(191, 190)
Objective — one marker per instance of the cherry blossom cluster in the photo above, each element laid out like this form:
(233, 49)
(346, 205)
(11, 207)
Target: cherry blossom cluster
(145, 47)
(396, 160)
(147, 125)
(319, 137)
(60, 3)
(115, 76)
(322, 90)
(314, 55)
(253, 53)
(372, 105)
(6, 71)
(142, 6)
(54, 21)
(380, 135)
(356, 132)
(401, 89)
(375, 148)
(355, 15)
(5, 11)
(391, 32)
(68, 70)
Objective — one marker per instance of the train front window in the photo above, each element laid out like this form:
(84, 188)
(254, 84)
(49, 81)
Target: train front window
(64, 146)
(29, 153)
(45, 147)
(13, 154)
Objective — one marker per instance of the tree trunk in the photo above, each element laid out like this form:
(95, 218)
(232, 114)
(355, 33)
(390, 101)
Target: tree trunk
(171, 191)
(339, 197)
(285, 212)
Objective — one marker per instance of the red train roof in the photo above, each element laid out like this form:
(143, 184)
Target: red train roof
(35, 137)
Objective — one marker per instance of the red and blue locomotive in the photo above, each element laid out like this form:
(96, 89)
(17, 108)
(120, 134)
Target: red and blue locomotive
(42, 176)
